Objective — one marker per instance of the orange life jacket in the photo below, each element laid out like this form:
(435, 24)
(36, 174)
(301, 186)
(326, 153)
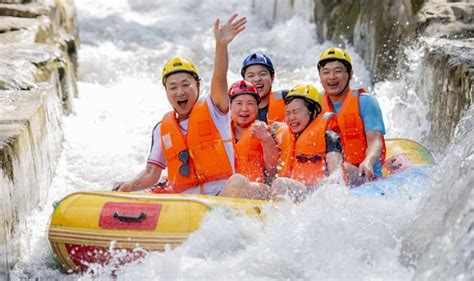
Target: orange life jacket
(208, 159)
(304, 158)
(249, 157)
(352, 127)
(276, 108)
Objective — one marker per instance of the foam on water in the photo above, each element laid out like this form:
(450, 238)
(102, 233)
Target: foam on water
(330, 235)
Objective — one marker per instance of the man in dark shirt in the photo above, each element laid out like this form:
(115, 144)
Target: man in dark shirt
(258, 69)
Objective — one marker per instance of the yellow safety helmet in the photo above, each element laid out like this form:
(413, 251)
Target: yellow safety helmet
(335, 54)
(177, 64)
(308, 93)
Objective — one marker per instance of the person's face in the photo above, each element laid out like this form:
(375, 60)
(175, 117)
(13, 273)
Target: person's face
(261, 77)
(334, 77)
(243, 110)
(182, 91)
(297, 116)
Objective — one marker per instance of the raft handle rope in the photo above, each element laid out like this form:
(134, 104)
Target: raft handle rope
(125, 218)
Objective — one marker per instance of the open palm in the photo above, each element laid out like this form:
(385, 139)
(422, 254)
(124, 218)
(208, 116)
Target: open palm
(225, 34)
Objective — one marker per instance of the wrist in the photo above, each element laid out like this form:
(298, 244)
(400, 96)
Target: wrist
(368, 163)
(268, 138)
(128, 186)
(221, 44)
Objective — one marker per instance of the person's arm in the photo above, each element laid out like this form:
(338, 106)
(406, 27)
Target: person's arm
(333, 162)
(278, 138)
(156, 163)
(261, 131)
(374, 126)
(374, 149)
(334, 157)
(224, 35)
(144, 179)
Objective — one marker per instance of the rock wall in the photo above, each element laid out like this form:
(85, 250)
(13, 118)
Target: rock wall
(376, 29)
(449, 63)
(450, 68)
(38, 47)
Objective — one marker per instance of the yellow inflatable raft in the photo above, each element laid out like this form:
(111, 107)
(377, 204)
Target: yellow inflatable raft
(89, 227)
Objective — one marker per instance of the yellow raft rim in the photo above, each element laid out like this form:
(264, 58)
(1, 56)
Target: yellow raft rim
(88, 227)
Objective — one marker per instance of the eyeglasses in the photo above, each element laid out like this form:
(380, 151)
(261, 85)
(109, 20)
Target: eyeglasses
(309, 158)
(183, 156)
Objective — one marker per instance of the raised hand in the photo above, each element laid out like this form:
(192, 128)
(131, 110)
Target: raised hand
(226, 33)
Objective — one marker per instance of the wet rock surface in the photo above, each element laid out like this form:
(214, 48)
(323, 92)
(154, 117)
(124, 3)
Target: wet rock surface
(452, 68)
(38, 47)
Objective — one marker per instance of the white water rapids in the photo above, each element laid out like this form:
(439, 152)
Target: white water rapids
(332, 235)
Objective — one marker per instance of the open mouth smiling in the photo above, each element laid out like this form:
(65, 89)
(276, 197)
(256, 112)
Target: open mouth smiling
(260, 87)
(182, 103)
(294, 125)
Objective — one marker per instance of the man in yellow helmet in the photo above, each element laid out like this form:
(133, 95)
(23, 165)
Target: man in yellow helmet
(194, 140)
(359, 117)
(309, 144)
